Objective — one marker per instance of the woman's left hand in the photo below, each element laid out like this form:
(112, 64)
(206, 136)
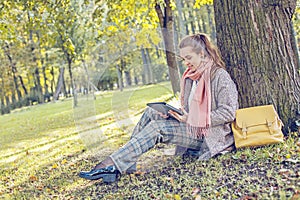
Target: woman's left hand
(181, 118)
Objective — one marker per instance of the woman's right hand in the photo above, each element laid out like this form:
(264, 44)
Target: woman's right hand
(181, 118)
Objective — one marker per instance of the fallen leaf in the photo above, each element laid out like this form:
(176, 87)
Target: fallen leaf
(54, 166)
(284, 171)
(171, 179)
(270, 155)
(33, 178)
(64, 161)
(177, 197)
(195, 191)
(247, 198)
(40, 188)
(139, 173)
(296, 196)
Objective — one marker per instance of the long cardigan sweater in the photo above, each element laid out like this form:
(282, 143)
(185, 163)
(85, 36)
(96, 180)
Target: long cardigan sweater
(224, 103)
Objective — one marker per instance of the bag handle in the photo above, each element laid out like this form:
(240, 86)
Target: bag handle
(244, 128)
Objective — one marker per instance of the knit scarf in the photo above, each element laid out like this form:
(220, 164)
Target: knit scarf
(198, 120)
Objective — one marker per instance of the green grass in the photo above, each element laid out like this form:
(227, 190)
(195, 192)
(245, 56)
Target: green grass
(44, 147)
(54, 120)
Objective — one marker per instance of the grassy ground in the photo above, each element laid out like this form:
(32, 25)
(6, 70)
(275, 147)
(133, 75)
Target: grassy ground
(44, 147)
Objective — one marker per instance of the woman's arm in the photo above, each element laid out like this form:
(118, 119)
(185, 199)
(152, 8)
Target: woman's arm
(226, 99)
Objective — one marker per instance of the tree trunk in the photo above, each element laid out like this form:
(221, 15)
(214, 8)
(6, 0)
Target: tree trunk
(37, 81)
(210, 22)
(151, 79)
(128, 78)
(8, 104)
(146, 75)
(13, 68)
(255, 39)
(191, 17)
(187, 31)
(3, 107)
(89, 80)
(23, 85)
(74, 91)
(166, 24)
(38, 86)
(60, 84)
(47, 95)
(120, 78)
(52, 81)
(181, 26)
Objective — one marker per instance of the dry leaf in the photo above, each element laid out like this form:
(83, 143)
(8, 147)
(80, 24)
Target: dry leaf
(177, 197)
(284, 171)
(64, 161)
(33, 178)
(54, 166)
(195, 191)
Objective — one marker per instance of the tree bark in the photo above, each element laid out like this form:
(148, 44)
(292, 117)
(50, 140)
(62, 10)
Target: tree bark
(255, 40)
(74, 91)
(60, 84)
(120, 78)
(151, 79)
(13, 69)
(146, 78)
(210, 22)
(166, 24)
(23, 85)
(181, 26)
(52, 80)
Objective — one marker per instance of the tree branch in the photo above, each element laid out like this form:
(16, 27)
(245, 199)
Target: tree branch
(159, 14)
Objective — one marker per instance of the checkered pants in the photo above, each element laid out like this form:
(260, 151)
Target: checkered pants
(150, 130)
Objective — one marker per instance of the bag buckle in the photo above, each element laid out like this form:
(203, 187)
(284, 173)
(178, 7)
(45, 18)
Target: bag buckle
(269, 124)
(244, 130)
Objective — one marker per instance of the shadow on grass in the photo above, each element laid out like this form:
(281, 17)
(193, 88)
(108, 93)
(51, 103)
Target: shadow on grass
(270, 172)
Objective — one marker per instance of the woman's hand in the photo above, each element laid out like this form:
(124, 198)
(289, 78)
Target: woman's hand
(181, 118)
(163, 115)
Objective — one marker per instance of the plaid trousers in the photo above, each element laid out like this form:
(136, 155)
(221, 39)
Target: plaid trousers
(150, 130)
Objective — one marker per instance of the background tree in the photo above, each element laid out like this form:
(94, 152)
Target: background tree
(256, 41)
(166, 20)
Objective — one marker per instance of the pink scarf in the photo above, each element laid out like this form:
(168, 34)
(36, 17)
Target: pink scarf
(198, 119)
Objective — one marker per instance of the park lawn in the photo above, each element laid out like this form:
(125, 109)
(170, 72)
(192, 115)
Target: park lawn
(43, 148)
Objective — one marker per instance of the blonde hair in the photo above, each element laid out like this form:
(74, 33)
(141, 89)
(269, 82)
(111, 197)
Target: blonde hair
(200, 43)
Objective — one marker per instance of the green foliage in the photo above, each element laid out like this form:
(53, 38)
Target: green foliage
(199, 3)
(296, 20)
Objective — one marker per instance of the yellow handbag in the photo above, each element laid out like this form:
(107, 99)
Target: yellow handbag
(257, 126)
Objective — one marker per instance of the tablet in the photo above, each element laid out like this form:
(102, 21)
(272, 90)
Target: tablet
(163, 107)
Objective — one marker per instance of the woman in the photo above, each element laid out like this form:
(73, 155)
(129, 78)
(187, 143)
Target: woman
(208, 101)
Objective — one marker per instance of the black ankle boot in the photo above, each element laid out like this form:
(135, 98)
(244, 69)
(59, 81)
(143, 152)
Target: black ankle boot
(108, 174)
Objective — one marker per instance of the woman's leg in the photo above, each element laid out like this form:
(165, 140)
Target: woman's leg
(153, 132)
(148, 116)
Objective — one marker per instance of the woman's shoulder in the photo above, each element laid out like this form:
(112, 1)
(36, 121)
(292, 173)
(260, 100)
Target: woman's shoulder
(220, 73)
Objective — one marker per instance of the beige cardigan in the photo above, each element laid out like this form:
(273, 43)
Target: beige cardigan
(223, 107)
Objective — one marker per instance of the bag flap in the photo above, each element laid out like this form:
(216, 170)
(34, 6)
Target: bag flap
(255, 115)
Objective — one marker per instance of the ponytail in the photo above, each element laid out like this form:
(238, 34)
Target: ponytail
(200, 42)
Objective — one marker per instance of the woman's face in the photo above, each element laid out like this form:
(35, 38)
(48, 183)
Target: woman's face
(191, 59)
